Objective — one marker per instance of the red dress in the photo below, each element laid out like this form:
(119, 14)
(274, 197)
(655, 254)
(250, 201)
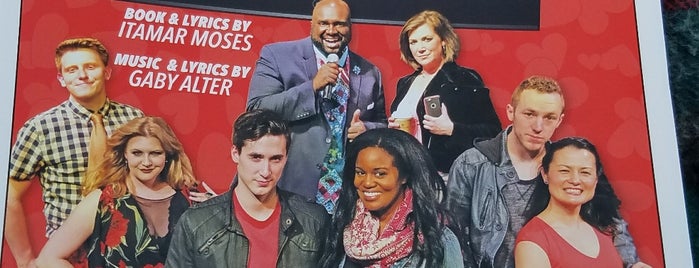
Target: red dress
(561, 253)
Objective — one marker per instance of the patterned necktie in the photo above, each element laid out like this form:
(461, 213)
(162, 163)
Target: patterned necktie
(330, 181)
(98, 142)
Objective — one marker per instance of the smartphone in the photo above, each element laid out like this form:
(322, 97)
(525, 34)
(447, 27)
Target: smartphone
(433, 106)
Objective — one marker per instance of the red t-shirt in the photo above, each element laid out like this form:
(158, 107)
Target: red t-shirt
(262, 235)
(561, 253)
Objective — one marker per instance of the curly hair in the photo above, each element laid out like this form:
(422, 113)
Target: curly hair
(113, 170)
(415, 166)
(602, 211)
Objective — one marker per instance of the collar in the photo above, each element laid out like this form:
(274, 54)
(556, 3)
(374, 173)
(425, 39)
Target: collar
(343, 56)
(286, 219)
(495, 149)
(84, 112)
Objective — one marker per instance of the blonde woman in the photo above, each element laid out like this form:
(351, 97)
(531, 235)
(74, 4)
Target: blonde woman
(429, 44)
(131, 202)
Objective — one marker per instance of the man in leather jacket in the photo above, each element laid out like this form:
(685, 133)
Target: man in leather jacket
(254, 224)
(490, 185)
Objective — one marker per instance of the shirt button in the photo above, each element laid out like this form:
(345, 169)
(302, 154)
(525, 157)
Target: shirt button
(498, 227)
(327, 140)
(510, 174)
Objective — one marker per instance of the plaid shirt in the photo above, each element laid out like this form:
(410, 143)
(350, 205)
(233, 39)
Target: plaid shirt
(54, 146)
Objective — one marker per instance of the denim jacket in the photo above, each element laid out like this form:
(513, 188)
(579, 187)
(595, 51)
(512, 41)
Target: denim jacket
(452, 254)
(209, 235)
(474, 197)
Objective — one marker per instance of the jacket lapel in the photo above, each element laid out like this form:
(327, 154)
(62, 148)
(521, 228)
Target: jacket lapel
(355, 85)
(309, 59)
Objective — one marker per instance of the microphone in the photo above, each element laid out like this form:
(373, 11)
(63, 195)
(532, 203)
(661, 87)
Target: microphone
(328, 88)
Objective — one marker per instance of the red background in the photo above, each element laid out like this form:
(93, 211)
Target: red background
(590, 46)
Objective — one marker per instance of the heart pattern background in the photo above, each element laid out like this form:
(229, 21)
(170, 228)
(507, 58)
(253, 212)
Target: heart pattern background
(590, 46)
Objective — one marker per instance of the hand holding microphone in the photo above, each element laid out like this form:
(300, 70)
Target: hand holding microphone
(332, 58)
(327, 76)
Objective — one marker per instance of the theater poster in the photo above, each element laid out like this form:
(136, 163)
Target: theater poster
(190, 62)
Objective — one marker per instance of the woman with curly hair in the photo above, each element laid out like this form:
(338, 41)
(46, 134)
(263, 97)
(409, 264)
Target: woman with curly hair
(576, 211)
(388, 214)
(131, 204)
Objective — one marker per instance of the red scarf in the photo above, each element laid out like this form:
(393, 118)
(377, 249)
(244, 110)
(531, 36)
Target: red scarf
(363, 243)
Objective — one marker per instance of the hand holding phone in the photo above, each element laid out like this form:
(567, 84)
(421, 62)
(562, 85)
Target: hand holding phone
(433, 106)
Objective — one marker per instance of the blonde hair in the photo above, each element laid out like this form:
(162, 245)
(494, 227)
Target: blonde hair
(114, 169)
(78, 43)
(541, 84)
(440, 25)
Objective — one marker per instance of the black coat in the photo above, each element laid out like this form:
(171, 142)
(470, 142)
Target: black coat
(469, 107)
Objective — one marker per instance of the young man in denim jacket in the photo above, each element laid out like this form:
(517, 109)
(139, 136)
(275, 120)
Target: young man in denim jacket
(490, 185)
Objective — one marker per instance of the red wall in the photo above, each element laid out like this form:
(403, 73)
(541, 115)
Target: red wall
(590, 46)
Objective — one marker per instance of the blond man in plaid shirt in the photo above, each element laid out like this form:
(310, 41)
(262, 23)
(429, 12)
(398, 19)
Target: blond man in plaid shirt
(53, 145)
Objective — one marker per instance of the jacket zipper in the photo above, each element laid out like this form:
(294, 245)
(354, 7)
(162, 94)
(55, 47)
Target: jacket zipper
(211, 240)
(485, 207)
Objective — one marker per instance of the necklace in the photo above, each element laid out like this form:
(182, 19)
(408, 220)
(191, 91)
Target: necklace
(529, 186)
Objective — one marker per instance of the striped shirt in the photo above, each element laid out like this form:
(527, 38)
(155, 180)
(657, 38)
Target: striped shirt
(54, 146)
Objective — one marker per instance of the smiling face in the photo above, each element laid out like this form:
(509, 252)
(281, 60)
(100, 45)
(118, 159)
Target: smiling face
(330, 26)
(260, 165)
(572, 177)
(378, 183)
(84, 74)
(426, 47)
(534, 119)
(145, 157)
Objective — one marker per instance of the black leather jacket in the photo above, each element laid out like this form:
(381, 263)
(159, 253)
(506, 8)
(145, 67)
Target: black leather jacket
(209, 235)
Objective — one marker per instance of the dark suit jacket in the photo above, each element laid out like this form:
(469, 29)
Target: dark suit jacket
(469, 106)
(283, 82)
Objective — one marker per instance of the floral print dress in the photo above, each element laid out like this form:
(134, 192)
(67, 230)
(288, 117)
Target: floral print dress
(121, 237)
